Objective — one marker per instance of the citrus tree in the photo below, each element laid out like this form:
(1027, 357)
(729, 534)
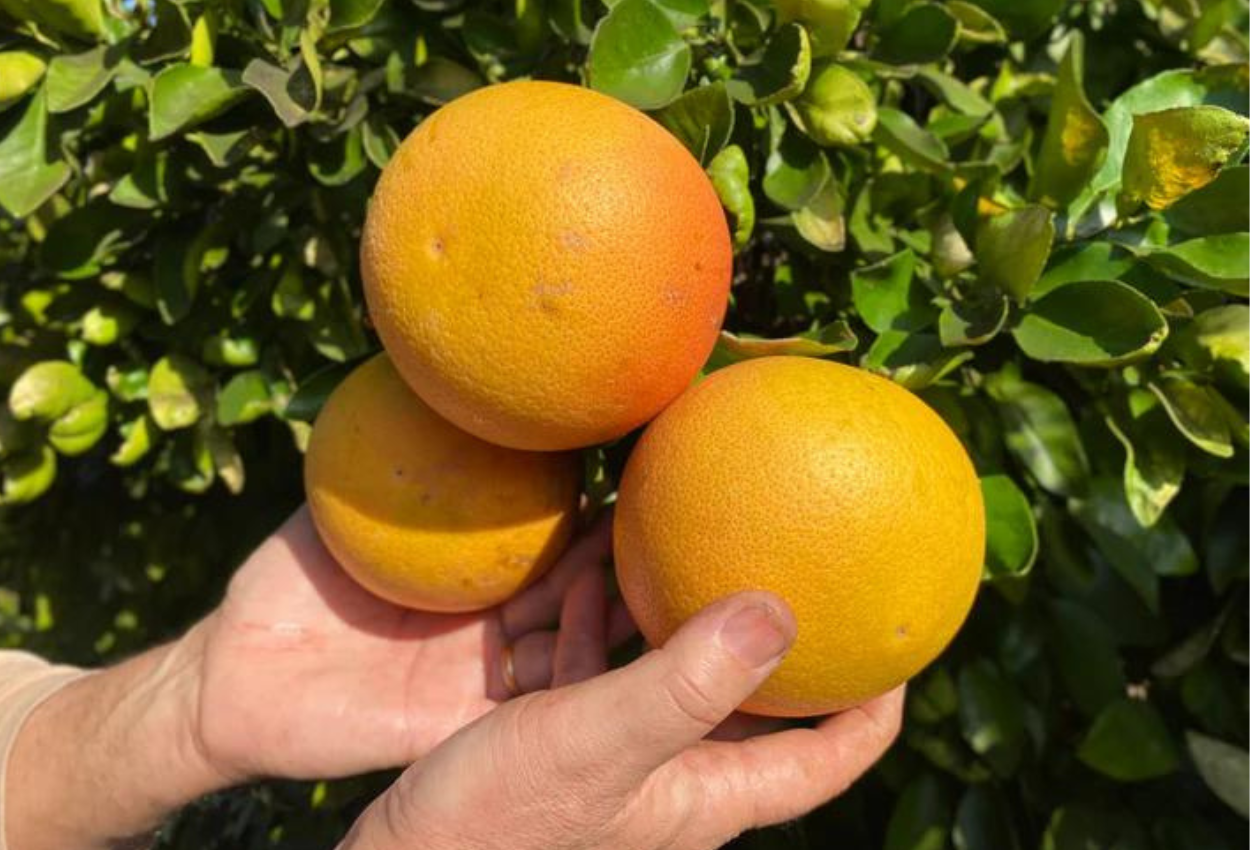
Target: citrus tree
(1031, 213)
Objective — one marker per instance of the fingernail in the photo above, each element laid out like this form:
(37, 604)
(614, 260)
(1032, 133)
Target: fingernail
(754, 635)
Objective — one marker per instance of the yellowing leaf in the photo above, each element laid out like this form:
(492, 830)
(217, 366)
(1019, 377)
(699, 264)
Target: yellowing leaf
(1175, 151)
(1076, 139)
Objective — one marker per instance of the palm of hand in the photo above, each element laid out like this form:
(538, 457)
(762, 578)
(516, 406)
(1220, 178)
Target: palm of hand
(306, 674)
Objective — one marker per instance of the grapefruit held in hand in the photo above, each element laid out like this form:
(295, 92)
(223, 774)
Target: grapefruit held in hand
(423, 514)
(837, 490)
(547, 267)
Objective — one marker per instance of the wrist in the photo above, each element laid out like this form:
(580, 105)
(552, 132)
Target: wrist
(111, 755)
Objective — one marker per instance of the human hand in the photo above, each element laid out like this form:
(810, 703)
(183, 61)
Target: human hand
(299, 673)
(306, 674)
(622, 760)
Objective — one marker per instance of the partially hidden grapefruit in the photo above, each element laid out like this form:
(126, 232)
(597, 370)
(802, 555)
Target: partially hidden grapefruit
(424, 514)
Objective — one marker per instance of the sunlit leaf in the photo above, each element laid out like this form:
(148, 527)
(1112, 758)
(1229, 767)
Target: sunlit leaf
(1076, 140)
(837, 109)
(637, 55)
(1175, 151)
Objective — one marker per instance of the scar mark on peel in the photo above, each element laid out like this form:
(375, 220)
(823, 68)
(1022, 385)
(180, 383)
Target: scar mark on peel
(547, 294)
(573, 241)
(900, 631)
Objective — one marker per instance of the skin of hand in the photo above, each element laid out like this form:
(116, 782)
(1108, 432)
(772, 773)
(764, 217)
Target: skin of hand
(299, 673)
(622, 760)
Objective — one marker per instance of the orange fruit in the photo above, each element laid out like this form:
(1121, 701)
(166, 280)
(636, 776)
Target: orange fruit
(547, 267)
(423, 514)
(837, 490)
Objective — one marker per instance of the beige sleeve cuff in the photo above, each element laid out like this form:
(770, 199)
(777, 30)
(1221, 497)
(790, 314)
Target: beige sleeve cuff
(25, 681)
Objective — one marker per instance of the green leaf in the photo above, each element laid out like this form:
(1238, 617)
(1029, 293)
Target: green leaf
(1221, 206)
(898, 133)
(983, 821)
(931, 697)
(107, 322)
(1083, 261)
(1040, 432)
(349, 14)
(820, 220)
(1079, 827)
(339, 160)
(1224, 768)
(954, 93)
(972, 321)
(186, 95)
(780, 74)
(244, 399)
(976, 26)
(1076, 140)
(795, 172)
(1129, 742)
(830, 23)
(290, 102)
(27, 475)
(311, 394)
(1091, 323)
(80, 19)
(837, 109)
(991, 716)
(921, 818)
(1219, 339)
(380, 141)
(1199, 412)
(1137, 554)
(1168, 90)
(137, 437)
(1084, 651)
(20, 72)
(831, 339)
(176, 273)
(702, 118)
(637, 56)
(27, 179)
(76, 79)
(924, 32)
(1154, 463)
(1024, 19)
(888, 297)
(1175, 151)
(912, 360)
(176, 387)
(81, 427)
(731, 178)
(48, 390)
(1010, 530)
(440, 80)
(227, 462)
(1211, 262)
(1012, 249)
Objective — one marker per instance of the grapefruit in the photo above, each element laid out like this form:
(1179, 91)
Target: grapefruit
(547, 267)
(424, 514)
(834, 488)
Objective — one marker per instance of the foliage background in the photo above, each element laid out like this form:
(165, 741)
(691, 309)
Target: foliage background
(1051, 251)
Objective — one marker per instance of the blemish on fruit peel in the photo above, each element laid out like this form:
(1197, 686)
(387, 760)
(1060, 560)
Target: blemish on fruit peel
(573, 241)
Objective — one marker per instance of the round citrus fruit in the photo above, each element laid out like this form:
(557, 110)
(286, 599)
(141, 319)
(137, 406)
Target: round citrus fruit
(423, 514)
(837, 490)
(547, 267)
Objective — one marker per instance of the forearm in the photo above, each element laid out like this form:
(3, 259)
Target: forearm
(110, 755)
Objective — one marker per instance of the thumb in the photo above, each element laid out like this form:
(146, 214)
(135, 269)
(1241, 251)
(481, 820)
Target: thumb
(638, 717)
